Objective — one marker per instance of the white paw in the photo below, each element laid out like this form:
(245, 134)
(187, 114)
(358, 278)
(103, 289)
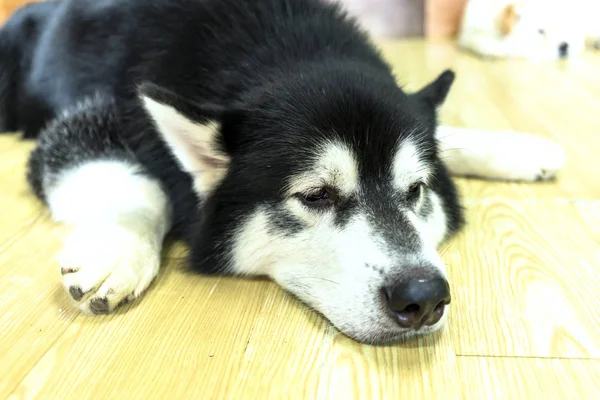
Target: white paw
(527, 158)
(103, 266)
(500, 155)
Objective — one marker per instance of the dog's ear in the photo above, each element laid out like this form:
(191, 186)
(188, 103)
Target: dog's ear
(192, 133)
(434, 94)
(508, 18)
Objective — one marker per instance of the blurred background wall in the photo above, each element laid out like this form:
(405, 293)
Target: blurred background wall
(387, 18)
(408, 18)
(443, 17)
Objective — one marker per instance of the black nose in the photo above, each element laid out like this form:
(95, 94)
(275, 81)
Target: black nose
(418, 302)
(563, 49)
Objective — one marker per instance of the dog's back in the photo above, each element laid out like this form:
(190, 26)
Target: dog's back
(212, 51)
(87, 47)
(18, 42)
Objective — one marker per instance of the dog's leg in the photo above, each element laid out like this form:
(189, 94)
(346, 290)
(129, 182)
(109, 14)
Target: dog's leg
(119, 217)
(119, 214)
(499, 155)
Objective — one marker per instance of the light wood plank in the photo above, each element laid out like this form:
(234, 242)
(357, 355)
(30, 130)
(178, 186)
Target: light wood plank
(195, 353)
(494, 378)
(34, 311)
(408, 371)
(245, 356)
(8, 142)
(529, 272)
(19, 208)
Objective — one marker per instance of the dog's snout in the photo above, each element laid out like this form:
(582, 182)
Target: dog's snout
(563, 49)
(418, 302)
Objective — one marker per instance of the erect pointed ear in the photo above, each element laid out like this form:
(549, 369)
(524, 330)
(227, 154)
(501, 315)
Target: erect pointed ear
(191, 131)
(435, 93)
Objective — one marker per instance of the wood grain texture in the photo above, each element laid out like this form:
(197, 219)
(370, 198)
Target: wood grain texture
(524, 323)
(494, 378)
(513, 273)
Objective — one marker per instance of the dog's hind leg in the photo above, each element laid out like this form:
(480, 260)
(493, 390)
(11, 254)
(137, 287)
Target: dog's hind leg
(499, 155)
(118, 212)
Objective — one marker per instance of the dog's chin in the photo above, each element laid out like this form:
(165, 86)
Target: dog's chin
(387, 336)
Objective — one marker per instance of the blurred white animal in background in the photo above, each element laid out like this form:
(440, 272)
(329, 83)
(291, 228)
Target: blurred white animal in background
(530, 29)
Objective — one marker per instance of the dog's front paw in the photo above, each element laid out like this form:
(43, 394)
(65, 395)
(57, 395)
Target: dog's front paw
(500, 155)
(534, 158)
(105, 266)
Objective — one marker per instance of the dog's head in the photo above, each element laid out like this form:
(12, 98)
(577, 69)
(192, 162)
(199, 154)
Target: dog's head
(332, 187)
(541, 29)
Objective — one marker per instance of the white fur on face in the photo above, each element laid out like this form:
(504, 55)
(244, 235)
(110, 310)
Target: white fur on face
(408, 168)
(338, 270)
(193, 145)
(336, 166)
(334, 270)
(120, 218)
(432, 230)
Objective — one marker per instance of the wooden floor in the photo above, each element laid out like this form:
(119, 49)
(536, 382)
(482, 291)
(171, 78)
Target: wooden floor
(525, 277)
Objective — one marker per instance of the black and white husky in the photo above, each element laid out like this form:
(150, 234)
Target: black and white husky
(268, 134)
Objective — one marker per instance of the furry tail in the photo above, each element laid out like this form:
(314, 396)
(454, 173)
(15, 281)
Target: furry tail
(499, 155)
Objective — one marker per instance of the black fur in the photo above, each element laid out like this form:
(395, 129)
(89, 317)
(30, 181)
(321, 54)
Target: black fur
(279, 75)
(72, 139)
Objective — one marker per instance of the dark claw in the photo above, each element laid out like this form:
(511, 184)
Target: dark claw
(76, 293)
(99, 305)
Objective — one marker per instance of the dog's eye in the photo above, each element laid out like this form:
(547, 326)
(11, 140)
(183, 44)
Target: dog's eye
(541, 31)
(321, 197)
(414, 190)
